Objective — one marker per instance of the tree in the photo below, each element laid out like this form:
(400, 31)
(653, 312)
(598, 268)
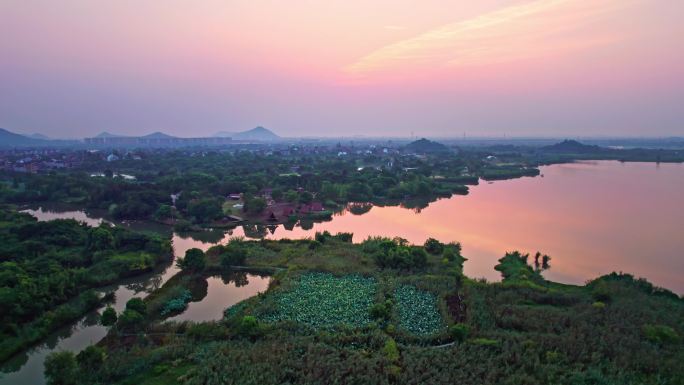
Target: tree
(205, 210)
(100, 238)
(433, 246)
(108, 317)
(277, 194)
(163, 212)
(545, 262)
(255, 205)
(91, 358)
(233, 255)
(291, 196)
(61, 368)
(305, 198)
(459, 332)
(194, 261)
(130, 320)
(138, 305)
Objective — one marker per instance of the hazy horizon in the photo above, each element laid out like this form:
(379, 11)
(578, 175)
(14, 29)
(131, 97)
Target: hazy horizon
(519, 68)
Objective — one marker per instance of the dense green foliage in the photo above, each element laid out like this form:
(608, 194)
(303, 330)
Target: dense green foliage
(323, 301)
(418, 311)
(203, 182)
(194, 261)
(177, 304)
(46, 269)
(355, 323)
(61, 368)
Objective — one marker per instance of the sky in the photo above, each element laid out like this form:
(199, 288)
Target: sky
(561, 68)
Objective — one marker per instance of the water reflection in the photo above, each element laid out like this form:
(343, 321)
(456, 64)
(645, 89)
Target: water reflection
(592, 218)
(216, 293)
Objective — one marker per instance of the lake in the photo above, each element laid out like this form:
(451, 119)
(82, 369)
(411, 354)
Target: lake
(592, 218)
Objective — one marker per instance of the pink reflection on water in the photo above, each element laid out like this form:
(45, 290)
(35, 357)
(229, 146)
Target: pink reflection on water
(592, 218)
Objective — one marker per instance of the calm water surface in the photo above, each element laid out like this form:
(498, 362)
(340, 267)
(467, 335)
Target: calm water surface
(223, 292)
(591, 217)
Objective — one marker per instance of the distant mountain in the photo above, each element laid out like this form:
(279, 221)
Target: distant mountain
(424, 146)
(572, 147)
(106, 134)
(158, 135)
(38, 136)
(258, 133)
(10, 139)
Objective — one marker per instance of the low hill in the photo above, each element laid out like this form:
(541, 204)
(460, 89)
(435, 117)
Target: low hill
(106, 134)
(424, 146)
(257, 133)
(571, 147)
(38, 136)
(11, 139)
(158, 135)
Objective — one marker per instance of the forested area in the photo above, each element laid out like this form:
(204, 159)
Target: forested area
(47, 271)
(336, 312)
(204, 180)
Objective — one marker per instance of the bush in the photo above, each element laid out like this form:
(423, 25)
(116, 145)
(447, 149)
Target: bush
(108, 317)
(660, 334)
(177, 304)
(390, 350)
(61, 368)
(91, 358)
(233, 254)
(459, 332)
(381, 312)
(194, 261)
(130, 320)
(138, 305)
(433, 246)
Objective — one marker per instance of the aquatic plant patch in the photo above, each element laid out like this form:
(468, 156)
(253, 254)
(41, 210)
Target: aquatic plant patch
(178, 304)
(418, 311)
(323, 300)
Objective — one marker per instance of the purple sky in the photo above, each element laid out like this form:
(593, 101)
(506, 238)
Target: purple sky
(74, 68)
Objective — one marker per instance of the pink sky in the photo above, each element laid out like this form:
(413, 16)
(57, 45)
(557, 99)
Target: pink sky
(311, 68)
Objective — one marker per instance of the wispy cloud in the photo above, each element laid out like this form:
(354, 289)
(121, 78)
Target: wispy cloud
(528, 30)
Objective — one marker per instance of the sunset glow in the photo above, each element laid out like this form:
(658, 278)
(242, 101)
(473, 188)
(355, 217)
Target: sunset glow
(394, 66)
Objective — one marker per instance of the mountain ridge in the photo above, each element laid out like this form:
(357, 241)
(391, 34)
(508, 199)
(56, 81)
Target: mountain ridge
(256, 133)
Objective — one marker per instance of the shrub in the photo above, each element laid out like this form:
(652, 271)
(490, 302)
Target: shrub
(459, 332)
(194, 261)
(130, 320)
(137, 304)
(108, 317)
(433, 246)
(381, 311)
(233, 254)
(177, 304)
(484, 342)
(390, 350)
(91, 358)
(61, 368)
(661, 334)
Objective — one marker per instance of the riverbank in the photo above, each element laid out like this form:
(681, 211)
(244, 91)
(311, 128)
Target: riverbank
(304, 326)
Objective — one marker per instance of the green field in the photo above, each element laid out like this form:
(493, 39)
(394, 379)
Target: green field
(418, 311)
(323, 300)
